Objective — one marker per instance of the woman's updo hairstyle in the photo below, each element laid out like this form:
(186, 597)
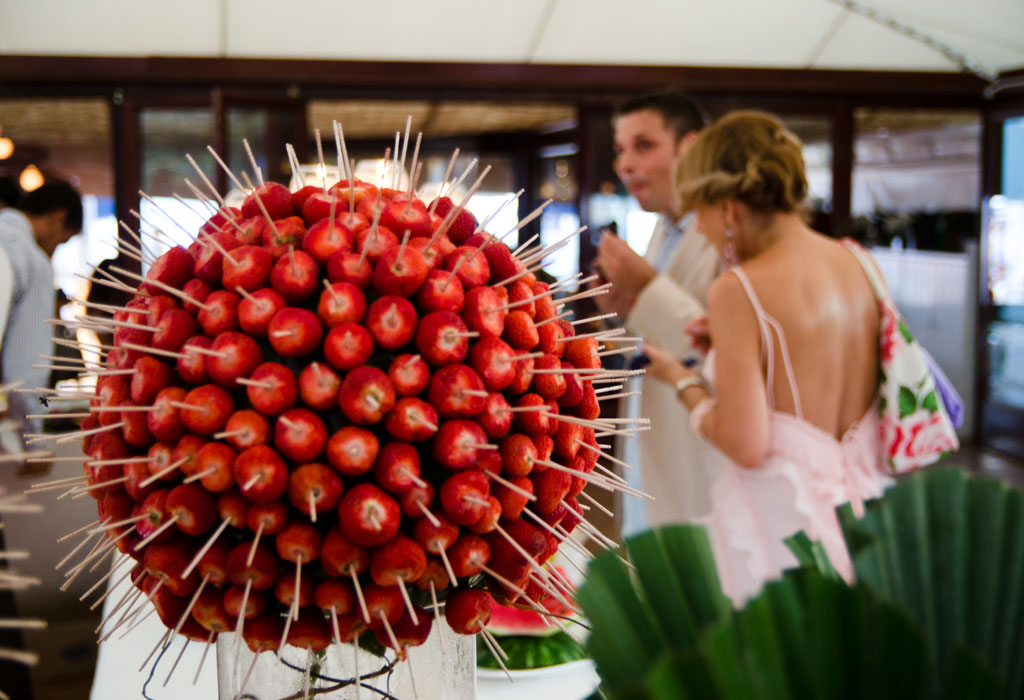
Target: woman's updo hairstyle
(747, 156)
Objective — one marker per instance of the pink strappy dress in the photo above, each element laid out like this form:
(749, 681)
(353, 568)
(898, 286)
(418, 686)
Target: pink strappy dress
(806, 474)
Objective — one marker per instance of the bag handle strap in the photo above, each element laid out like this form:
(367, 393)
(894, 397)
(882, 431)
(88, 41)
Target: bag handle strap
(870, 269)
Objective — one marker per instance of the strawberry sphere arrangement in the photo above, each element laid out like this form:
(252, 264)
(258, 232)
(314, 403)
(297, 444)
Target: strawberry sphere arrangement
(343, 412)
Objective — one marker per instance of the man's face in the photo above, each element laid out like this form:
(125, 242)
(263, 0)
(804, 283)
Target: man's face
(646, 151)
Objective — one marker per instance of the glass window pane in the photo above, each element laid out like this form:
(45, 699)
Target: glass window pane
(917, 177)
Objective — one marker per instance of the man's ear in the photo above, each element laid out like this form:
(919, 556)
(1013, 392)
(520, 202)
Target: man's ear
(684, 144)
(55, 219)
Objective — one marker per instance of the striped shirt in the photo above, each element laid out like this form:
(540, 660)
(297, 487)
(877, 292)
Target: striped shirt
(26, 337)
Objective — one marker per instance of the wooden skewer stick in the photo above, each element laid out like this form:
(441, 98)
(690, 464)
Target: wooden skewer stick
(240, 625)
(544, 252)
(597, 505)
(405, 144)
(201, 475)
(61, 438)
(567, 540)
(83, 490)
(526, 219)
(227, 171)
(156, 533)
(444, 182)
(531, 239)
(162, 643)
(112, 588)
(78, 531)
(120, 562)
(494, 642)
(205, 548)
(512, 487)
(532, 563)
(25, 658)
(448, 567)
(225, 213)
(321, 168)
(390, 632)
(394, 166)
(607, 456)
(252, 159)
(166, 287)
(20, 456)
(74, 551)
(359, 594)
(202, 659)
(261, 205)
(592, 292)
(428, 515)
(293, 161)
(450, 218)
(597, 480)
(255, 543)
(408, 601)
(339, 144)
(375, 225)
(177, 660)
(483, 225)
(168, 216)
(192, 604)
(491, 643)
(130, 594)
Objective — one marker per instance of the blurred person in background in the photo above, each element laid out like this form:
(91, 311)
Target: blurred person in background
(789, 390)
(45, 218)
(657, 296)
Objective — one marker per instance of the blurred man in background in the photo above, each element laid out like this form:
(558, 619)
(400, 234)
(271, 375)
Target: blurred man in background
(45, 218)
(657, 296)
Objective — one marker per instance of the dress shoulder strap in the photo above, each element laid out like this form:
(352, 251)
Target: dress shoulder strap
(767, 324)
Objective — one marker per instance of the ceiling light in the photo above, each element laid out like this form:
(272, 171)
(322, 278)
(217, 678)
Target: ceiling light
(6, 148)
(30, 178)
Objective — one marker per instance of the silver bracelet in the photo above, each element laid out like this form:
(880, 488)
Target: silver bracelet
(686, 382)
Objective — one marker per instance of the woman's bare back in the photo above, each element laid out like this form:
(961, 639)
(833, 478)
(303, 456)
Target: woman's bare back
(820, 296)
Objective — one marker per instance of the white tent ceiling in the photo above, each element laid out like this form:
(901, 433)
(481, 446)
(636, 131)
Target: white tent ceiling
(752, 33)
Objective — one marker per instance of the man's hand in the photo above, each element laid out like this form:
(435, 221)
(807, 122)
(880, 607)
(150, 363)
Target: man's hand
(628, 272)
(700, 337)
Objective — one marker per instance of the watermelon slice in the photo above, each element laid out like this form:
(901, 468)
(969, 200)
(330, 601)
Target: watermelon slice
(510, 620)
(531, 652)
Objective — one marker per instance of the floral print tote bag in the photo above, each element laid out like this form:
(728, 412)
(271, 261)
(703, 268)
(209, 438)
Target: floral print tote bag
(915, 423)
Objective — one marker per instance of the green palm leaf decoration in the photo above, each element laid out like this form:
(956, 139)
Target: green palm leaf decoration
(938, 612)
(948, 549)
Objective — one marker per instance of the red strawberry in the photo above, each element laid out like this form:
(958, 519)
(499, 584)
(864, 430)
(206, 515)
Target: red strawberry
(471, 269)
(496, 418)
(481, 311)
(442, 338)
(457, 444)
(462, 227)
(456, 391)
(520, 332)
(391, 321)
(441, 291)
(489, 356)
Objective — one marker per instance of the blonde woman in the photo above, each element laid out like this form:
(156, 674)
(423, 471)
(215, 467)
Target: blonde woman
(789, 390)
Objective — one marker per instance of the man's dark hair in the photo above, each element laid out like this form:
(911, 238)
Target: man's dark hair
(10, 193)
(52, 196)
(681, 114)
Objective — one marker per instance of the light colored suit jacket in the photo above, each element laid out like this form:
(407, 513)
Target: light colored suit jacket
(670, 462)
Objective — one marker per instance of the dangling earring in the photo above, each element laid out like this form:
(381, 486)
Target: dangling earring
(729, 257)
